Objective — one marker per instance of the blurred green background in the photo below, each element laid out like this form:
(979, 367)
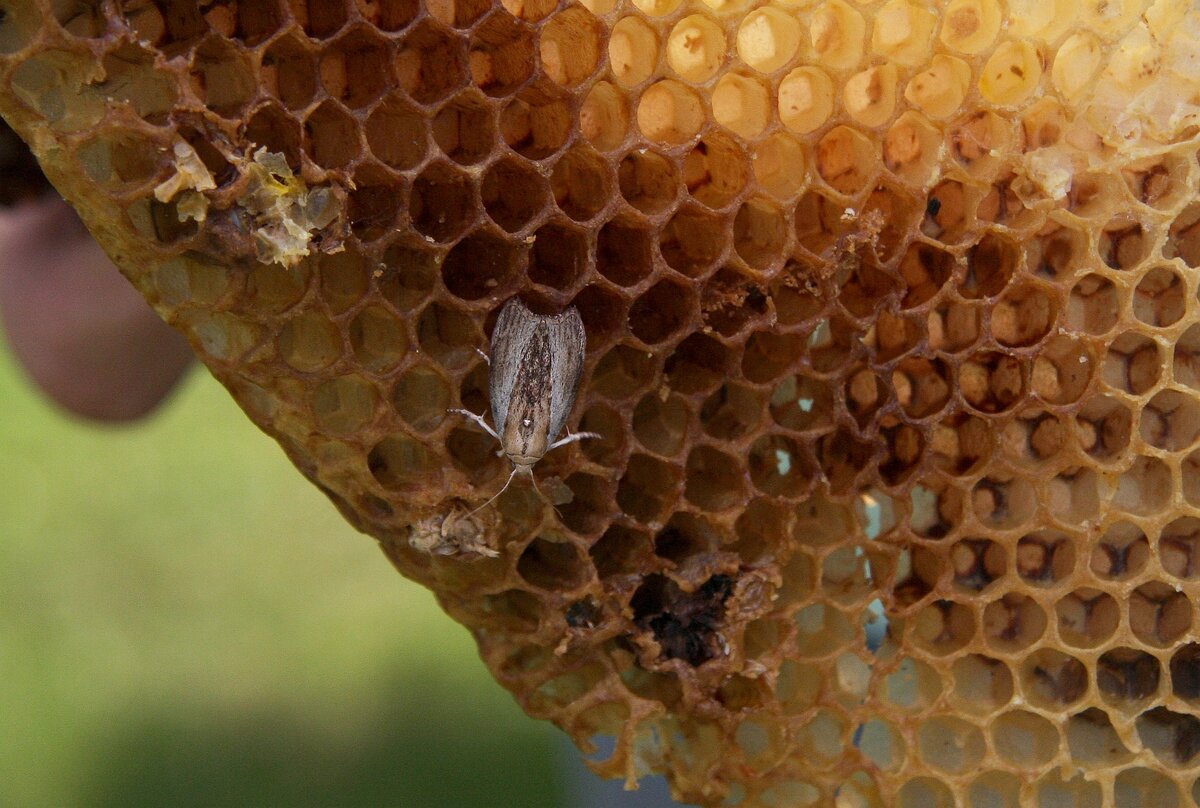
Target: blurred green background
(185, 621)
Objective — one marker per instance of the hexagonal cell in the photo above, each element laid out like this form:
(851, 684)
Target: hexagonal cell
(421, 397)
(604, 315)
(431, 64)
(1127, 677)
(911, 148)
(1121, 553)
(222, 77)
(1160, 299)
(769, 355)
(731, 300)
(623, 371)
(1024, 739)
(1138, 787)
(400, 463)
(464, 129)
(309, 342)
(800, 404)
(408, 276)
(1053, 680)
(120, 161)
(1159, 615)
(715, 171)
(759, 234)
(698, 364)
(552, 565)
(1123, 245)
(696, 48)
(1095, 305)
(318, 18)
(977, 141)
(373, 207)
(768, 38)
(559, 256)
(1174, 738)
(731, 412)
(648, 487)
(742, 104)
(1133, 363)
(1094, 742)
(847, 160)
(1013, 623)
(1171, 420)
(442, 202)
(661, 425)
(1186, 366)
(537, 128)
(289, 72)
(513, 193)
(670, 112)
(943, 627)
(976, 564)
(992, 382)
(661, 311)
(1087, 617)
(397, 134)
(356, 68)
(1185, 673)
(1104, 426)
(479, 265)
(869, 96)
(950, 744)
(1011, 73)
(805, 99)
(1160, 182)
(580, 183)
(501, 56)
(1023, 315)
(624, 251)
(448, 335)
(995, 789)
(692, 241)
(604, 117)
(1045, 558)
(925, 792)
(274, 129)
(921, 385)
(569, 46)
(780, 166)
(619, 551)
(778, 468)
(331, 136)
(1183, 237)
(632, 51)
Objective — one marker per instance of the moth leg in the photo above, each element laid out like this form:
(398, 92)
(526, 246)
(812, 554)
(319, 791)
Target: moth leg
(479, 420)
(484, 357)
(572, 438)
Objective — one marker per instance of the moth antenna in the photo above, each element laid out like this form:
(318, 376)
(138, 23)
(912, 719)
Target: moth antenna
(498, 493)
(546, 499)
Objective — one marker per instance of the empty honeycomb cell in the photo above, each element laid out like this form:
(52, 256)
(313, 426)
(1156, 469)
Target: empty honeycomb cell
(274, 129)
(1127, 677)
(759, 233)
(1062, 371)
(590, 499)
(1094, 306)
(442, 202)
(378, 339)
(1179, 548)
(513, 193)
(632, 51)
(405, 286)
(1092, 739)
(742, 104)
(430, 64)
(925, 792)
(621, 550)
(648, 487)
(777, 468)
(554, 565)
(924, 269)
(569, 46)
(821, 630)
(1023, 316)
(806, 99)
(943, 627)
(836, 35)
(447, 335)
(648, 181)
(581, 183)
(345, 405)
(623, 371)
(1185, 673)
(692, 241)
(921, 385)
(715, 171)
(500, 58)
(939, 90)
(331, 136)
(464, 129)
(1159, 615)
(683, 537)
(870, 96)
(399, 462)
(779, 165)
(670, 113)
(976, 564)
(1013, 622)
(823, 738)
(421, 397)
(911, 148)
(397, 134)
(1174, 738)
(119, 162)
(604, 117)
(289, 72)
(1122, 245)
(660, 424)
(698, 365)
(1171, 421)
(606, 422)
(954, 327)
(991, 263)
(1053, 680)
(1183, 237)
(479, 264)
(731, 300)
(847, 160)
(768, 356)
(374, 204)
(991, 382)
(1140, 786)
(977, 140)
(624, 251)
(474, 454)
(221, 77)
(1045, 558)
(714, 479)
(731, 412)
(1145, 488)
(276, 288)
(1087, 617)
(1121, 552)
(951, 745)
(1104, 426)
(309, 342)
(696, 48)
(1158, 182)
(767, 39)
(660, 312)
(1160, 299)
(355, 68)
(1024, 739)
(994, 789)
(559, 255)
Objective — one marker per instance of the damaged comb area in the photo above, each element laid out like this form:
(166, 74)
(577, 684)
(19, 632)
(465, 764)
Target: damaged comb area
(893, 345)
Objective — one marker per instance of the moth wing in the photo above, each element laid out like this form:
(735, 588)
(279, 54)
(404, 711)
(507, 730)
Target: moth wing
(568, 344)
(513, 332)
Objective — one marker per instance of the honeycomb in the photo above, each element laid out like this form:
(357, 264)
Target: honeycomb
(893, 346)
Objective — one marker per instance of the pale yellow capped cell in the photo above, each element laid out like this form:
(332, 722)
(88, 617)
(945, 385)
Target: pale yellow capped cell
(870, 96)
(939, 90)
(768, 39)
(696, 48)
(1011, 74)
(741, 104)
(1076, 62)
(969, 26)
(805, 99)
(632, 51)
(837, 33)
(669, 112)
